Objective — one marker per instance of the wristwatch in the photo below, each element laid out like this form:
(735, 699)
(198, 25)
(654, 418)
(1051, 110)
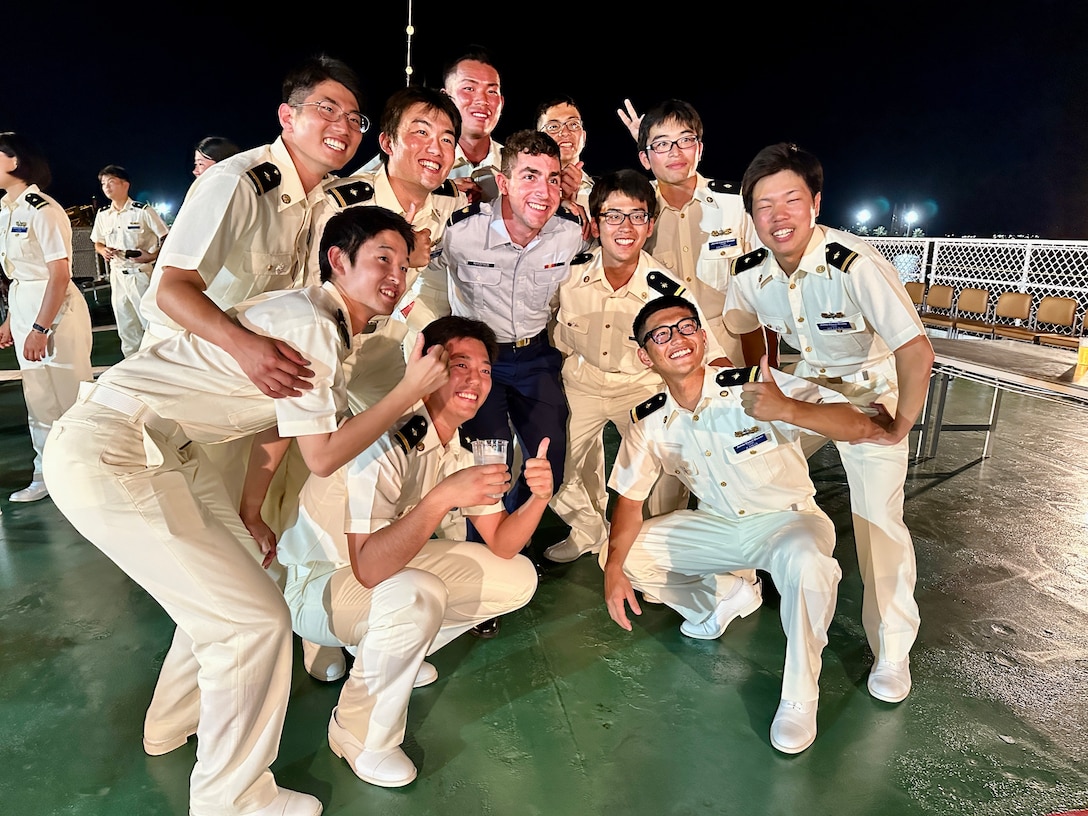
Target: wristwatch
(41, 329)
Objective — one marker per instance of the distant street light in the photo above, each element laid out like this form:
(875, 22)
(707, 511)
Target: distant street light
(863, 217)
(910, 217)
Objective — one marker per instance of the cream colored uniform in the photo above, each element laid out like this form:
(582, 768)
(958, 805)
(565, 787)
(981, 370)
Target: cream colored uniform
(697, 243)
(446, 589)
(584, 189)
(603, 380)
(846, 311)
(34, 231)
(133, 225)
(120, 467)
(756, 511)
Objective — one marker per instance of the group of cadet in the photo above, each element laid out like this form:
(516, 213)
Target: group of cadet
(307, 358)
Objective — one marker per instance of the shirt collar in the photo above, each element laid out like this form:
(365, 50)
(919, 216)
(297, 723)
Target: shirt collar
(290, 189)
(673, 409)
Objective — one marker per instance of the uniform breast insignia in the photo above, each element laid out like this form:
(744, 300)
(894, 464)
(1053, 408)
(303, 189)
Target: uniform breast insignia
(663, 284)
(36, 201)
(567, 215)
(832, 315)
(840, 257)
(139, 205)
(348, 193)
(411, 434)
(718, 186)
(342, 327)
(750, 261)
(465, 212)
(728, 377)
(643, 410)
(265, 177)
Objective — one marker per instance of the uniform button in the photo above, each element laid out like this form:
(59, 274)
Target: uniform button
(643, 296)
(421, 446)
(688, 279)
(707, 453)
(686, 249)
(793, 286)
(695, 418)
(722, 484)
(269, 269)
(608, 325)
(800, 320)
(604, 353)
(683, 215)
(740, 512)
(808, 348)
(823, 370)
(585, 279)
(722, 252)
(821, 269)
(286, 199)
(677, 471)
(569, 323)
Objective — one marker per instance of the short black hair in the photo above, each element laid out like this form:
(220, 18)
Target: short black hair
(531, 142)
(638, 327)
(217, 148)
(551, 103)
(300, 82)
(351, 228)
(115, 170)
(474, 53)
(776, 158)
(630, 183)
(670, 110)
(400, 101)
(33, 167)
(451, 327)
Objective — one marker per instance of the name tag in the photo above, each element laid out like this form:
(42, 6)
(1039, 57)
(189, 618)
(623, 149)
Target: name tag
(748, 444)
(727, 243)
(480, 263)
(134, 226)
(838, 325)
(19, 228)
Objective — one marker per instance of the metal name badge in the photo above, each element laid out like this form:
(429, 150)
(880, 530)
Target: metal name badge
(748, 444)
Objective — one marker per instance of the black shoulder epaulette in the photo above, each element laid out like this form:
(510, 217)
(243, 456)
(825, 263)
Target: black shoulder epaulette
(465, 212)
(448, 188)
(103, 209)
(737, 376)
(348, 193)
(264, 177)
(581, 258)
(36, 201)
(643, 410)
(840, 257)
(342, 327)
(749, 261)
(719, 186)
(139, 205)
(566, 214)
(662, 283)
(411, 433)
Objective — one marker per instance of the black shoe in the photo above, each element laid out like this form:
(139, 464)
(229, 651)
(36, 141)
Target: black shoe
(486, 630)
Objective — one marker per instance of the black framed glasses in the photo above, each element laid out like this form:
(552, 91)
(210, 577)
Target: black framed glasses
(331, 112)
(615, 217)
(662, 146)
(555, 128)
(663, 334)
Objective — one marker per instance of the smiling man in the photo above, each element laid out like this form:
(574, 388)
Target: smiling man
(561, 119)
(364, 571)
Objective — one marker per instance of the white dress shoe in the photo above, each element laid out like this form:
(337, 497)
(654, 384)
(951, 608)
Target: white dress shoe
(386, 769)
(794, 726)
(426, 675)
(566, 551)
(742, 603)
(890, 680)
(288, 803)
(32, 492)
(324, 663)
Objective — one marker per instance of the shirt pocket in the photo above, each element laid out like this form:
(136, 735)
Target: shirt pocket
(715, 258)
(675, 463)
(545, 282)
(755, 455)
(471, 275)
(269, 264)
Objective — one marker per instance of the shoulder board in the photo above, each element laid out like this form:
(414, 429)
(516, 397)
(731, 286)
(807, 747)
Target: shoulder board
(465, 212)
(342, 328)
(350, 192)
(663, 284)
(264, 177)
(567, 215)
(840, 257)
(749, 261)
(643, 410)
(737, 376)
(581, 258)
(719, 186)
(448, 188)
(36, 201)
(103, 209)
(411, 433)
(139, 205)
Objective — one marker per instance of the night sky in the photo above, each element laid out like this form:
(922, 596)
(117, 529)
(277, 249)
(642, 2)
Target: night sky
(977, 120)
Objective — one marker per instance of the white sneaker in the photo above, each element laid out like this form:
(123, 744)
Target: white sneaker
(426, 675)
(794, 726)
(324, 663)
(746, 600)
(566, 551)
(387, 769)
(33, 492)
(890, 680)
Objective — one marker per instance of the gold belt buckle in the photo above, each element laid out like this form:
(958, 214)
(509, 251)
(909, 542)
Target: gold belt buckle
(523, 342)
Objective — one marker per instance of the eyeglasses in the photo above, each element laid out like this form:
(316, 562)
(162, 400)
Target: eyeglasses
(615, 217)
(331, 112)
(665, 145)
(663, 334)
(555, 128)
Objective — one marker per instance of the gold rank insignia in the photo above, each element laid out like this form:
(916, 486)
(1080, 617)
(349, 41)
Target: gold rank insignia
(729, 377)
(264, 177)
(750, 261)
(840, 257)
(643, 410)
(411, 434)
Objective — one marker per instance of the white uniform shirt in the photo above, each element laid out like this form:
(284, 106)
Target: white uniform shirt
(34, 230)
(595, 321)
(585, 187)
(244, 226)
(375, 489)
(200, 386)
(133, 225)
(844, 308)
(490, 278)
(736, 465)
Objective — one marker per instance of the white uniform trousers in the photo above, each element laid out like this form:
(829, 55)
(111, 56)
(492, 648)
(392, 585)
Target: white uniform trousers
(50, 385)
(684, 559)
(448, 588)
(136, 493)
(596, 398)
(126, 290)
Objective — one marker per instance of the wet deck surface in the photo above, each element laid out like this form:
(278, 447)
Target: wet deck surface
(564, 713)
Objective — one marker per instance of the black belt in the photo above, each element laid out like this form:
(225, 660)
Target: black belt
(523, 343)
